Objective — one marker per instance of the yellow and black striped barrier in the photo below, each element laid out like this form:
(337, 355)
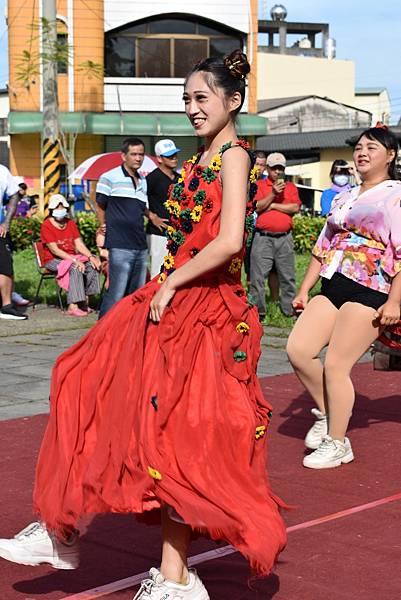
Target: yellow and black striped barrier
(51, 169)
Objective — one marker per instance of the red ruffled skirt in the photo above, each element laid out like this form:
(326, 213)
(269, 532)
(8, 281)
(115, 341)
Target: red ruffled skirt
(144, 413)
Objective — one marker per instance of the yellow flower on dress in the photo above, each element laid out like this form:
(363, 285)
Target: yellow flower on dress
(235, 265)
(183, 174)
(215, 165)
(196, 213)
(170, 230)
(153, 473)
(168, 261)
(253, 175)
(162, 278)
(260, 431)
(242, 327)
(173, 207)
(193, 159)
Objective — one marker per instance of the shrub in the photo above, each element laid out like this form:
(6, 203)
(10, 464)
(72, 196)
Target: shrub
(24, 230)
(306, 231)
(87, 224)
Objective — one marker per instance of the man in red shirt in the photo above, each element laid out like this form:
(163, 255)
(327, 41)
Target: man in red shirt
(277, 202)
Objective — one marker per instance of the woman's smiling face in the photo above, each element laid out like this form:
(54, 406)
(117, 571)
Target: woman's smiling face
(372, 158)
(207, 109)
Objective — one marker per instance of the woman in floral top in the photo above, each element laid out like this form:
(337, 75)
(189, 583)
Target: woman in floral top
(358, 257)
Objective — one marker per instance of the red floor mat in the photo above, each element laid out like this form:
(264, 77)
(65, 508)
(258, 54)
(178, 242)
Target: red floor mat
(355, 557)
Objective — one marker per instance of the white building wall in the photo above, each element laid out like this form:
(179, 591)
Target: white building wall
(284, 76)
(378, 104)
(142, 94)
(233, 13)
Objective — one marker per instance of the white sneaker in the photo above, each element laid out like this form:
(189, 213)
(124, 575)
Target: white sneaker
(330, 453)
(159, 588)
(34, 546)
(318, 430)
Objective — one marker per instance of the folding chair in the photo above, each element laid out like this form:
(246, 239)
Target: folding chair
(38, 248)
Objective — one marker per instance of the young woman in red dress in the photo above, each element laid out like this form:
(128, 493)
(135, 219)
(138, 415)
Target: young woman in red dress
(158, 407)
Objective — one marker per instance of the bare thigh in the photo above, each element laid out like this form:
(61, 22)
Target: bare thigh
(313, 329)
(354, 331)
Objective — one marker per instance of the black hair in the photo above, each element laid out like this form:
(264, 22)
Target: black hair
(386, 138)
(260, 154)
(339, 163)
(228, 73)
(131, 141)
(23, 186)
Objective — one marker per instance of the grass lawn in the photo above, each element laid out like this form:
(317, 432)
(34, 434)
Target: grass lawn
(27, 280)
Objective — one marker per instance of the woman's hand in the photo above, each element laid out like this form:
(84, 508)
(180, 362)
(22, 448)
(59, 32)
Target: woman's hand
(300, 301)
(95, 262)
(160, 300)
(388, 313)
(80, 266)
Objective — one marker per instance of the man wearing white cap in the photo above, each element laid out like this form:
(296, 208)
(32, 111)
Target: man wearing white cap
(159, 182)
(273, 243)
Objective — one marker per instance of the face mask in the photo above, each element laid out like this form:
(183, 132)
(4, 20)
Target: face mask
(59, 213)
(341, 180)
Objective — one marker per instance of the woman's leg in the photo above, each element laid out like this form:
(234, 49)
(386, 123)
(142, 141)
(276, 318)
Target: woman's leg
(91, 282)
(176, 538)
(352, 335)
(310, 335)
(76, 288)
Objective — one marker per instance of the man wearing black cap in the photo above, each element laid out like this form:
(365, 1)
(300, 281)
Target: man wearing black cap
(159, 182)
(273, 243)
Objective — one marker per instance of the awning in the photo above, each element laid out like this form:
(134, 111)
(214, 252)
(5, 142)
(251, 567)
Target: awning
(154, 124)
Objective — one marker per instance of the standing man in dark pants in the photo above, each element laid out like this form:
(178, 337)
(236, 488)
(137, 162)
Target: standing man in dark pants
(273, 243)
(8, 188)
(159, 182)
(122, 202)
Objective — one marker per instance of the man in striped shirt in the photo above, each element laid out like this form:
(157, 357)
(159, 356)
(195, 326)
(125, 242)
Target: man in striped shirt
(122, 203)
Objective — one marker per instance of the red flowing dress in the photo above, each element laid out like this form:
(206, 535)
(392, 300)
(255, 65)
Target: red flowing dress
(144, 413)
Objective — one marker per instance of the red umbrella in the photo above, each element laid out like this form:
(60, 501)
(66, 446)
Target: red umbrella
(94, 166)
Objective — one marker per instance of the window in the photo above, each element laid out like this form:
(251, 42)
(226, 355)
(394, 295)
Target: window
(153, 57)
(188, 52)
(120, 57)
(62, 50)
(166, 47)
(172, 26)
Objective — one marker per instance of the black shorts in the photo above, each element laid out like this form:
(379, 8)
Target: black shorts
(6, 258)
(340, 289)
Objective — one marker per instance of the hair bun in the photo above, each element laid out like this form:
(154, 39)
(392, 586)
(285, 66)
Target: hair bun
(237, 63)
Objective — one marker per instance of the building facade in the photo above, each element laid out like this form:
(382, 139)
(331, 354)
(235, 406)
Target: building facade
(125, 73)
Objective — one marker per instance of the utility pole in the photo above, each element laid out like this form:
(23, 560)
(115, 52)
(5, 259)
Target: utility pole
(50, 136)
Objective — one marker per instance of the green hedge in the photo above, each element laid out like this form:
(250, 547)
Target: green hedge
(24, 231)
(306, 231)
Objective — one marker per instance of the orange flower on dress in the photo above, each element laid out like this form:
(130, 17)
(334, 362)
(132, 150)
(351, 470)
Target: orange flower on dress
(242, 327)
(235, 265)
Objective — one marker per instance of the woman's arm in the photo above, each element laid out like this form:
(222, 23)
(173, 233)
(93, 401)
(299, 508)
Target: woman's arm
(82, 249)
(58, 253)
(234, 175)
(309, 281)
(389, 312)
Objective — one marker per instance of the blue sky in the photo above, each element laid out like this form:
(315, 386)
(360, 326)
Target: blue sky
(366, 32)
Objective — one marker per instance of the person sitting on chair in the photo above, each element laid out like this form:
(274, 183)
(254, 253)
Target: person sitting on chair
(66, 254)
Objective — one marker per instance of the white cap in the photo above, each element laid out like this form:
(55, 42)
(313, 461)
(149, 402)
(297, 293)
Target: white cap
(166, 148)
(276, 158)
(57, 199)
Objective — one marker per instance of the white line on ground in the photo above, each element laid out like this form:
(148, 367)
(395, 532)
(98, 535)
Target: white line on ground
(123, 584)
